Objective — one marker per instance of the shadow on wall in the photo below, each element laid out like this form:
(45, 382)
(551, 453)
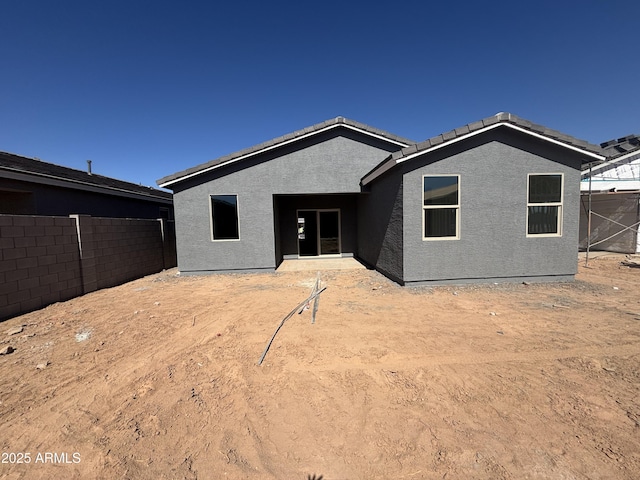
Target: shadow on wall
(380, 227)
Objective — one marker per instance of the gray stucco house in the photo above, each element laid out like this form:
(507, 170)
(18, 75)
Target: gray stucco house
(495, 200)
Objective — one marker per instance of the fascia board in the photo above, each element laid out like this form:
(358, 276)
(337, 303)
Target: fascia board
(602, 185)
(76, 185)
(384, 168)
(278, 145)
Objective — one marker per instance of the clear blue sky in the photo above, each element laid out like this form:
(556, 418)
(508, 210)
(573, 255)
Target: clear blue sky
(148, 88)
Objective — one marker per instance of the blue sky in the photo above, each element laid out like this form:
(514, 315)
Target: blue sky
(148, 88)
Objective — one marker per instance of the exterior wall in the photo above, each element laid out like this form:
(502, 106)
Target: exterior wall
(621, 208)
(493, 245)
(286, 221)
(331, 162)
(119, 250)
(16, 202)
(44, 260)
(26, 198)
(380, 225)
(39, 263)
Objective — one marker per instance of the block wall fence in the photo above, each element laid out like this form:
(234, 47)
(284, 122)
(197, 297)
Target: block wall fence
(44, 259)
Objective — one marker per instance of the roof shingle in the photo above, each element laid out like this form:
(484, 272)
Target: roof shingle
(15, 163)
(621, 146)
(499, 118)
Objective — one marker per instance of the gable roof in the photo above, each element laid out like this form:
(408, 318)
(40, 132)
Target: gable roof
(281, 141)
(619, 151)
(499, 120)
(16, 167)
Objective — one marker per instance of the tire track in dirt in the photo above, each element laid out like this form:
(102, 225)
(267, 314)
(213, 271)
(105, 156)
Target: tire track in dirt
(531, 356)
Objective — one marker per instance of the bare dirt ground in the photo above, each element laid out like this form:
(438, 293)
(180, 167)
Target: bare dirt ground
(158, 379)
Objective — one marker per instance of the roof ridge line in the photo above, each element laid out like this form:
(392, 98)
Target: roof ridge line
(281, 141)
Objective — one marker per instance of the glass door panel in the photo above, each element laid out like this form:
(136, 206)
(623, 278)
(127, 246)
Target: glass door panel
(307, 233)
(329, 222)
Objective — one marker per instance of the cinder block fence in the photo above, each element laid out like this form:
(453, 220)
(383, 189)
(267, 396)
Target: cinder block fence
(44, 260)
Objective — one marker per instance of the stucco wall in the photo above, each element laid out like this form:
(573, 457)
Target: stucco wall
(331, 162)
(493, 243)
(380, 226)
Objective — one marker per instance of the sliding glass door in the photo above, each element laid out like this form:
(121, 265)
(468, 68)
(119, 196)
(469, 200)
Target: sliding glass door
(318, 232)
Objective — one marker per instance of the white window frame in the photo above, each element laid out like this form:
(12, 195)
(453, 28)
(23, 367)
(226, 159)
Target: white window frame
(559, 204)
(436, 207)
(210, 198)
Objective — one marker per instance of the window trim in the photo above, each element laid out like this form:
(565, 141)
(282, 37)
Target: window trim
(210, 197)
(559, 204)
(438, 207)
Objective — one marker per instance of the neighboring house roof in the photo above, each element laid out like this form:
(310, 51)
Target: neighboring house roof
(621, 146)
(619, 152)
(281, 141)
(26, 169)
(621, 170)
(500, 119)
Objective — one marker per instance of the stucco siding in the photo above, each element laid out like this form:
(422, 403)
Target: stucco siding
(331, 162)
(198, 252)
(380, 223)
(493, 241)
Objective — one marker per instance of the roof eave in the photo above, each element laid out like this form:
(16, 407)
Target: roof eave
(608, 162)
(167, 181)
(78, 185)
(384, 167)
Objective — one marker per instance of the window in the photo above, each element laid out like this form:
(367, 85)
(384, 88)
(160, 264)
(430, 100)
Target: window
(544, 204)
(224, 217)
(165, 213)
(440, 207)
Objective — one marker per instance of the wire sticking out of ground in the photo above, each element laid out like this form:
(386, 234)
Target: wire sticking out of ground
(304, 305)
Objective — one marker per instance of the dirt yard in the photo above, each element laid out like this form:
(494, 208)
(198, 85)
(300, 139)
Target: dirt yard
(158, 379)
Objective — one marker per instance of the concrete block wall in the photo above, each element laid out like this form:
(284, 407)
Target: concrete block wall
(125, 249)
(39, 262)
(44, 260)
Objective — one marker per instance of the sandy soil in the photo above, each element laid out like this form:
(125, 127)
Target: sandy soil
(158, 379)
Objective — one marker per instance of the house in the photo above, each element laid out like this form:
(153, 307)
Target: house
(30, 186)
(612, 188)
(495, 200)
